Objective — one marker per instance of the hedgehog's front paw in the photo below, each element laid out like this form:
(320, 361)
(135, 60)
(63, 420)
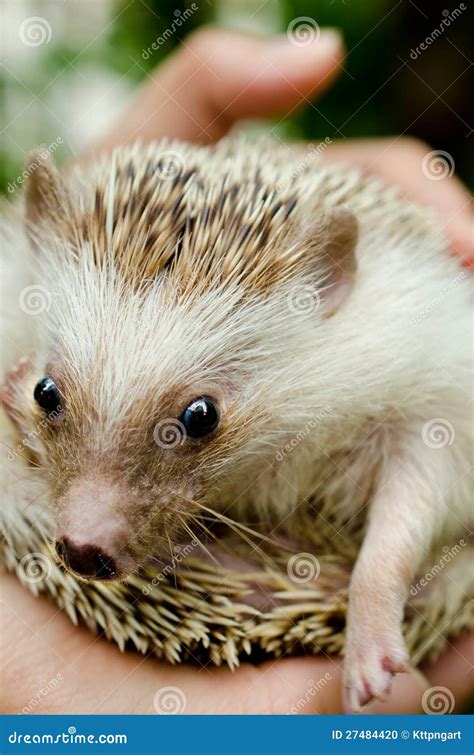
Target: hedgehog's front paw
(372, 658)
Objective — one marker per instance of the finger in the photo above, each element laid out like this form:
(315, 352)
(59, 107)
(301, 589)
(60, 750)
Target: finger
(218, 77)
(298, 686)
(454, 670)
(422, 177)
(254, 77)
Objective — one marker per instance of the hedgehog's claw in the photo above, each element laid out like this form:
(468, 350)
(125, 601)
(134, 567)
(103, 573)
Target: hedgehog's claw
(370, 666)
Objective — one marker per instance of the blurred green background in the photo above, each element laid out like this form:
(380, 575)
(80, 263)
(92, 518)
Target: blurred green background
(91, 57)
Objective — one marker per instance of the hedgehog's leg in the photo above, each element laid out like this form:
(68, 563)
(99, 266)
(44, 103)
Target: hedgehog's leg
(406, 510)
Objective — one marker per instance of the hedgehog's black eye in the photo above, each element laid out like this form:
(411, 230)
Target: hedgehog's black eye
(47, 396)
(201, 417)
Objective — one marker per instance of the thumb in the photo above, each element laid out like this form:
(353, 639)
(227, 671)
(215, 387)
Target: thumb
(248, 77)
(217, 77)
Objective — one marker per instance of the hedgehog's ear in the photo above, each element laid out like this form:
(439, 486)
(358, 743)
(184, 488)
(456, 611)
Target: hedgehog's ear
(333, 241)
(45, 191)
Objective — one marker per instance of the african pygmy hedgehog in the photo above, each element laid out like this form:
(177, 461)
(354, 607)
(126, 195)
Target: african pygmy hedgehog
(226, 332)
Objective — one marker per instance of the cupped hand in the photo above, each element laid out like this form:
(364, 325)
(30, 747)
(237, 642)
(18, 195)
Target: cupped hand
(40, 644)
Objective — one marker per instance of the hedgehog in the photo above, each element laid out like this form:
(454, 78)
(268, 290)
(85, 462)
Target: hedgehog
(232, 335)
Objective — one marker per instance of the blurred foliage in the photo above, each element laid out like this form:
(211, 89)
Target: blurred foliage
(382, 89)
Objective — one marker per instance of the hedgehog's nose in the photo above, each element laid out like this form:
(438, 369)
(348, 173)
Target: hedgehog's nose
(86, 560)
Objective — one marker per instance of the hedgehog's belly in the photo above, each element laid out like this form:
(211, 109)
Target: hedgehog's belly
(258, 569)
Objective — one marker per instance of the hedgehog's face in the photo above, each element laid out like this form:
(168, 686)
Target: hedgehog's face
(128, 481)
(117, 507)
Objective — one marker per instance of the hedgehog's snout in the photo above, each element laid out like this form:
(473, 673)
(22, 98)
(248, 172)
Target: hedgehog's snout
(93, 534)
(86, 560)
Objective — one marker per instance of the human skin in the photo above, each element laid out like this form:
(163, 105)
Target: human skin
(215, 79)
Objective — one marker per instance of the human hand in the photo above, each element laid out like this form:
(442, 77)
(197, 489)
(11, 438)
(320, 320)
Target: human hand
(40, 644)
